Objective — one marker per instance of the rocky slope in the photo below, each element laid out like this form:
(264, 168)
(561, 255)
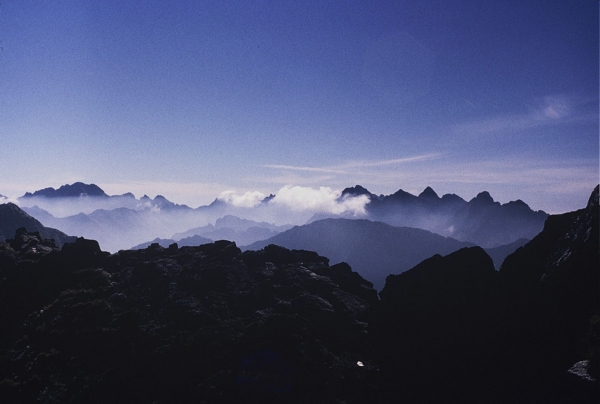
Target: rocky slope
(12, 218)
(190, 324)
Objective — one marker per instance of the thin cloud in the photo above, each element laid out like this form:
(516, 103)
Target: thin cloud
(550, 110)
(300, 168)
(343, 168)
(378, 163)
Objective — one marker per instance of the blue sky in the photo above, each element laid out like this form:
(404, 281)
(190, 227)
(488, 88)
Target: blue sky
(190, 99)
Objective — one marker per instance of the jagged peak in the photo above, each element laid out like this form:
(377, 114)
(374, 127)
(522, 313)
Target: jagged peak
(429, 193)
(402, 194)
(518, 202)
(483, 197)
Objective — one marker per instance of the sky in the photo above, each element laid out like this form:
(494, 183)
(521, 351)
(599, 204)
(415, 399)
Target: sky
(197, 99)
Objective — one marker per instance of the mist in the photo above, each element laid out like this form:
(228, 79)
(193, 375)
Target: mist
(123, 221)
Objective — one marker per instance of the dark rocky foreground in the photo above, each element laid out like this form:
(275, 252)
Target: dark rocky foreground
(212, 324)
(177, 325)
(452, 329)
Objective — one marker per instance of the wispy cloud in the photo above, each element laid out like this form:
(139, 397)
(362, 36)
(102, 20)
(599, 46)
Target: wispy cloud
(549, 110)
(301, 168)
(352, 165)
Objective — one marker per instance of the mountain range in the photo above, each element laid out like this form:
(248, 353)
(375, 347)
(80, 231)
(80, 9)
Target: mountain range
(122, 221)
(374, 249)
(481, 220)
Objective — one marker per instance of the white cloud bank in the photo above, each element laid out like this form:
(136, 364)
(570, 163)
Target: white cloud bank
(246, 200)
(322, 200)
(299, 199)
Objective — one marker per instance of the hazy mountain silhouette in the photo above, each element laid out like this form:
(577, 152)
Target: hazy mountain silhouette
(498, 254)
(118, 222)
(373, 249)
(481, 221)
(233, 228)
(12, 218)
(76, 190)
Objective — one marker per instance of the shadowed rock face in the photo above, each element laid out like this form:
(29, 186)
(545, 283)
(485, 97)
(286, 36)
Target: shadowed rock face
(434, 327)
(182, 325)
(453, 330)
(12, 218)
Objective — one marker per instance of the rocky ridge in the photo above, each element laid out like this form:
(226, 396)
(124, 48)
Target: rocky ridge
(190, 324)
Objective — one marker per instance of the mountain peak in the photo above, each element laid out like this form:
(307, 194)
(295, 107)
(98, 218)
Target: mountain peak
(356, 190)
(75, 190)
(402, 195)
(483, 198)
(429, 193)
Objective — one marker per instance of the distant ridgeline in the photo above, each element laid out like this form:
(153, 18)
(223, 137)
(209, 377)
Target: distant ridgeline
(76, 190)
(122, 221)
(13, 218)
(212, 323)
(481, 220)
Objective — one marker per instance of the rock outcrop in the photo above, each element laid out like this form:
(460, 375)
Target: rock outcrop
(190, 324)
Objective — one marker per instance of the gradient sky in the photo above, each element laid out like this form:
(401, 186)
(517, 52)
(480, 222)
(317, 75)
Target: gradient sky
(189, 99)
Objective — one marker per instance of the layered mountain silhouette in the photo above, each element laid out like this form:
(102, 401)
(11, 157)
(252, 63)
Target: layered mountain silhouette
(373, 249)
(233, 228)
(122, 221)
(12, 218)
(121, 228)
(481, 220)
